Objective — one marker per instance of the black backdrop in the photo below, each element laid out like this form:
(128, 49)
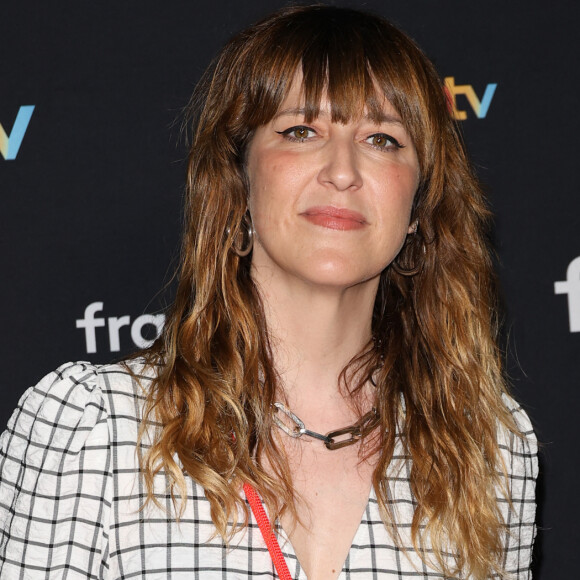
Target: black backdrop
(90, 203)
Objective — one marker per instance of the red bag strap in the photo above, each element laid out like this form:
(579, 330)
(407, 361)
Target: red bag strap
(269, 537)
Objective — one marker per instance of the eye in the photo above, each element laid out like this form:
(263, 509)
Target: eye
(383, 141)
(298, 133)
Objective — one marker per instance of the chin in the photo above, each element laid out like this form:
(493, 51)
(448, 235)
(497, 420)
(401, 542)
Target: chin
(339, 276)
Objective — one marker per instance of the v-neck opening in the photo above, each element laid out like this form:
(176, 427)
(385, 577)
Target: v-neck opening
(290, 553)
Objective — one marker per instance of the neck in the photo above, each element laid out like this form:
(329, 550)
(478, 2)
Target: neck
(314, 333)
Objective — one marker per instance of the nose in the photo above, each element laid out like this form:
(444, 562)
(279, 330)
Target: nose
(340, 166)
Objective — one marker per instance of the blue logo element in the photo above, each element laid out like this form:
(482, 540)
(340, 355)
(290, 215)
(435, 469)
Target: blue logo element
(9, 145)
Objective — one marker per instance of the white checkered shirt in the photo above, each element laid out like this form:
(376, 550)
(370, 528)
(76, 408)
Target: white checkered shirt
(70, 498)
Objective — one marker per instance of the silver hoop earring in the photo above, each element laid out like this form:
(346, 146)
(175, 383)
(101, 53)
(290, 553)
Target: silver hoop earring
(246, 234)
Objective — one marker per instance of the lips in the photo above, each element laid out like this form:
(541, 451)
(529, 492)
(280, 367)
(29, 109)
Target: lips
(335, 218)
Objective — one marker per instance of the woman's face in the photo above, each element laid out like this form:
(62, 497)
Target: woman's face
(330, 202)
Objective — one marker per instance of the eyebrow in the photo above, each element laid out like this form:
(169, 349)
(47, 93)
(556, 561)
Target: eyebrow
(382, 118)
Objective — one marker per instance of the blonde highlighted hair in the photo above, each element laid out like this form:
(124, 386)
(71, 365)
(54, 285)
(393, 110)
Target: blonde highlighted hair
(435, 332)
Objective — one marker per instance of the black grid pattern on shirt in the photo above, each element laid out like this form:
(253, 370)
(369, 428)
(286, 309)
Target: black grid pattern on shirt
(70, 497)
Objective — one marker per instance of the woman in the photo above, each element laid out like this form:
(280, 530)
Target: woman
(334, 274)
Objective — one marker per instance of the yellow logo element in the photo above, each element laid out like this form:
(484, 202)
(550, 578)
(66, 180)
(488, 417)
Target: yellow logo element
(480, 108)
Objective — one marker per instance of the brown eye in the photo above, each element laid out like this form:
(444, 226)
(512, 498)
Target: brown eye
(297, 133)
(383, 141)
(380, 141)
(300, 133)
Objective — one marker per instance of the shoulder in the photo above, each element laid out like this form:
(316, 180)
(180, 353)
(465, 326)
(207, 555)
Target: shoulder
(61, 410)
(523, 443)
(60, 457)
(76, 401)
(519, 452)
(123, 386)
(521, 418)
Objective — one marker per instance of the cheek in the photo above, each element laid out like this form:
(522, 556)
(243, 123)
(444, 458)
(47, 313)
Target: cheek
(258, 186)
(396, 198)
(260, 196)
(274, 184)
(267, 206)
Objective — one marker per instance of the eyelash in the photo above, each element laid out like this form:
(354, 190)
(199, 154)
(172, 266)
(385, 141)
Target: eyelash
(287, 134)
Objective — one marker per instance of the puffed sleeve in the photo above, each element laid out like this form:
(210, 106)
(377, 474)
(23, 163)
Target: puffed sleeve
(55, 480)
(521, 459)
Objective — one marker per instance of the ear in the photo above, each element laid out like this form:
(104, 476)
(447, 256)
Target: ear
(413, 227)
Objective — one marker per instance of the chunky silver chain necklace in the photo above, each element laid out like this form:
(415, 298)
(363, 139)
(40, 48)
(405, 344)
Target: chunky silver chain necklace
(333, 439)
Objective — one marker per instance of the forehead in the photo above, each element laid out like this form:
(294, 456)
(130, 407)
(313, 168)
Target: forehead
(301, 100)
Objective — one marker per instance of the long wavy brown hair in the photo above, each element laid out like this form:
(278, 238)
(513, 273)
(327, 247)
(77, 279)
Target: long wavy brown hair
(439, 376)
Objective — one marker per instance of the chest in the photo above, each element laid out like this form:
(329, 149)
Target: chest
(149, 543)
(332, 494)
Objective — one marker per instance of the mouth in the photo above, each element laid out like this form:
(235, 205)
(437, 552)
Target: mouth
(335, 218)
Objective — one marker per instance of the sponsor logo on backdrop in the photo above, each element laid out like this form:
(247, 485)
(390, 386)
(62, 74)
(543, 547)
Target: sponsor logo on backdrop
(571, 286)
(479, 107)
(112, 326)
(10, 144)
